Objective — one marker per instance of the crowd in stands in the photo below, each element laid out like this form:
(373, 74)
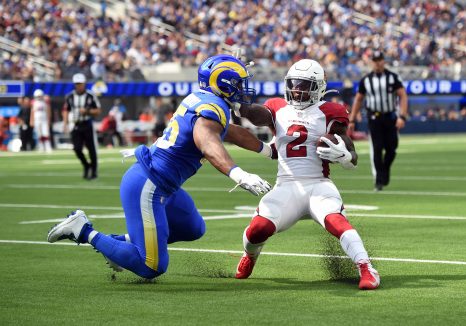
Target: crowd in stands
(273, 32)
(439, 114)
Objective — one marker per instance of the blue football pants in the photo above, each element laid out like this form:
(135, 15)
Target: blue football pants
(153, 220)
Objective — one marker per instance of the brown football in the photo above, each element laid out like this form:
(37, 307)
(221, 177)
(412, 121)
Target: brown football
(331, 137)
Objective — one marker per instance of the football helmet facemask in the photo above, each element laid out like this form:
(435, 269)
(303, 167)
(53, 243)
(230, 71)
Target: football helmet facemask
(227, 77)
(305, 84)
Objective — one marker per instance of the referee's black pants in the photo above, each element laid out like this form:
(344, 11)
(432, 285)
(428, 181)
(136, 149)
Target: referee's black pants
(384, 137)
(83, 134)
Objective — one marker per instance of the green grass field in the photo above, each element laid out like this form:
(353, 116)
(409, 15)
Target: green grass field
(415, 230)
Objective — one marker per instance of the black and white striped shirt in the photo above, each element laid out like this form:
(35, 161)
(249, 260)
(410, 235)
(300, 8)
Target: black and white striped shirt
(75, 101)
(379, 90)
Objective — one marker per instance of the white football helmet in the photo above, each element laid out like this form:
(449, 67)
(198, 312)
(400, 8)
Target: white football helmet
(305, 84)
(38, 93)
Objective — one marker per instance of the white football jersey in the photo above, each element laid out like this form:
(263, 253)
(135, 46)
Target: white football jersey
(40, 111)
(297, 133)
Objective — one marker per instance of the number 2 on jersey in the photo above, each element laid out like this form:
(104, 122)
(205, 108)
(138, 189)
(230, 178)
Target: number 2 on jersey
(292, 148)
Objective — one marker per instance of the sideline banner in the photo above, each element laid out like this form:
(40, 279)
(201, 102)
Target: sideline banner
(263, 88)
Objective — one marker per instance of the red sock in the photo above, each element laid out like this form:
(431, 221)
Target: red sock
(337, 224)
(260, 229)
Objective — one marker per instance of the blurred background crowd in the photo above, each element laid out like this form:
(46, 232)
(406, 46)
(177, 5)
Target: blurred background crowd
(339, 34)
(123, 40)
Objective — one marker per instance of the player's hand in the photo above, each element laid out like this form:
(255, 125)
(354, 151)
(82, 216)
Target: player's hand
(250, 182)
(255, 184)
(335, 152)
(269, 150)
(65, 129)
(400, 123)
(235, 106)
(127, 153)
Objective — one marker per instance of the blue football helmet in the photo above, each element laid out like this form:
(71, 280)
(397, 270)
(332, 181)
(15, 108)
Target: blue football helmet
(227, 77)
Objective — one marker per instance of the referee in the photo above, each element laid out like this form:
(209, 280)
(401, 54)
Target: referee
(383, 91)
(80, 107)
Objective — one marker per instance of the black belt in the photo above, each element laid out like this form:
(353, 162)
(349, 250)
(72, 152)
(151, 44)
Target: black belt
(82, 121)
(378, 113)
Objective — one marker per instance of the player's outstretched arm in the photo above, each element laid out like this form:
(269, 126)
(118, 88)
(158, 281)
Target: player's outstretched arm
(207, 139)
(355, 110)
(243, 138)
(258, 114)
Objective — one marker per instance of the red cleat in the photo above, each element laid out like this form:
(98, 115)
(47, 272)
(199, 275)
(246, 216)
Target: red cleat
(245, 267)
(370, 279)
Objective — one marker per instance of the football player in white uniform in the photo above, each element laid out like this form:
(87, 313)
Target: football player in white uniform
(303, 186)
(40, 117)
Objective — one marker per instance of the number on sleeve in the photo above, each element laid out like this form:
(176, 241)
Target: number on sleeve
(292, 148)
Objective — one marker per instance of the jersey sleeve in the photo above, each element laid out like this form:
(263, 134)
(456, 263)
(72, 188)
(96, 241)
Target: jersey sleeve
(95, 103)
(334, 112)
(67, 104)
(214, 111)
(275, 104)
(398, 82)
(362, 87)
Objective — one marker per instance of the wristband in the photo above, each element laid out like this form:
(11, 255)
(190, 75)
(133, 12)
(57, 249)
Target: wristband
(402, 117)
(232, 168)
(236, 174)
(265, 150)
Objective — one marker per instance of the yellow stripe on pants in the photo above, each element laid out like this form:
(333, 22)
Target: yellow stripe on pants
(150, 228)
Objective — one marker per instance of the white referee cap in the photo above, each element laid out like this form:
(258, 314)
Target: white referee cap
(79, 79)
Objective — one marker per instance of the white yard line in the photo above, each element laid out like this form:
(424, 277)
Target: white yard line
(286, 254)
(405, 193)
(57, 175)
(216, 189)
(202, 210)
(220, 176)
(236, 212)
(429, 217)
(249, 215)
(11, 205)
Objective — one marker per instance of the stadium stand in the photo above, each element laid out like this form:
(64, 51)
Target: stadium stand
(116, 40)
(44, 43)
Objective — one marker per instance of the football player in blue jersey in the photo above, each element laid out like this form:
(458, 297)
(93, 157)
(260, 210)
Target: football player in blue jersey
(157, 210)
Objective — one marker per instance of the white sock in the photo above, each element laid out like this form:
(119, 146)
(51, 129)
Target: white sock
(252, 249)
(91, 235)
(352, 244)
(48, 146)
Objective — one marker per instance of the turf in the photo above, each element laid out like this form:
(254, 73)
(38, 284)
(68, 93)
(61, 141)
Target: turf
(414, 219)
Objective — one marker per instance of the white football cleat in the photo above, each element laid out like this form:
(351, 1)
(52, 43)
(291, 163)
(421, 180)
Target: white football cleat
(111, 264)
(369, 277)
(70, 228)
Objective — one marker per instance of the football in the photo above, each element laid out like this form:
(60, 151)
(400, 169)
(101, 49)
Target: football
(331, 137)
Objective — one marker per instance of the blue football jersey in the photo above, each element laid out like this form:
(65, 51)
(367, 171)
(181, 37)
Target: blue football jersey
(174, 157)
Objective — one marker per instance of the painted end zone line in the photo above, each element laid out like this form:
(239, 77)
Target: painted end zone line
(405, 260)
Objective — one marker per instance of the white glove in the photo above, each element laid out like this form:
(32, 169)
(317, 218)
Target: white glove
(269, 150)
(250, 182)
(336, 152)
(235, 106)
(127, 153)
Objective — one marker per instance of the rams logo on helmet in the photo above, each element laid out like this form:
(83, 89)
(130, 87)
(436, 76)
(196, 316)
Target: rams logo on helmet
(227, 77)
